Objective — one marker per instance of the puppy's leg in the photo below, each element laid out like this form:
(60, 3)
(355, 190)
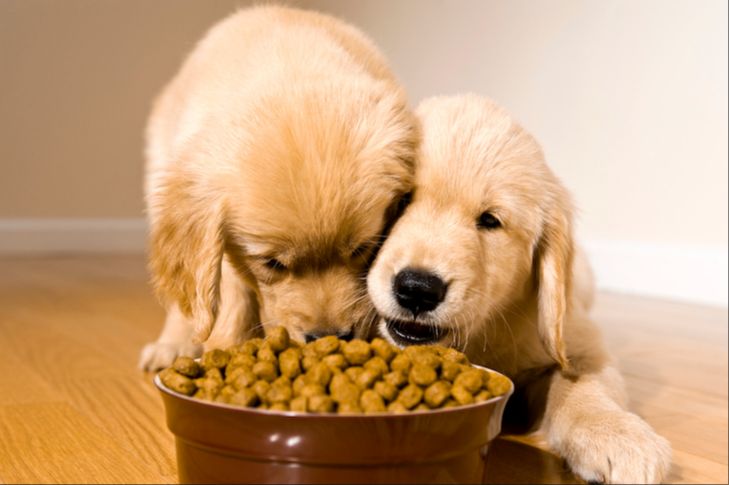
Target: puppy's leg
(585, 421)
(238, 316)
(175, 339)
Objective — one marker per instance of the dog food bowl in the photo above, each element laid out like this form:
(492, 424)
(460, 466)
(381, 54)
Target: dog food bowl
(220, 443)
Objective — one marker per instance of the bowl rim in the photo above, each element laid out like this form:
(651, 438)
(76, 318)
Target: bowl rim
(308, 415)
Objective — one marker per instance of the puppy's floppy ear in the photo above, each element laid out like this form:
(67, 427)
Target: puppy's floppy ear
(554, 274)
(186, 249)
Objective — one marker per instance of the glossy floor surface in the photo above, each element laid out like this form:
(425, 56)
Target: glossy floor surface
(74, 408)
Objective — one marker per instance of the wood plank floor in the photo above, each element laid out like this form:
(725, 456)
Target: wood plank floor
(74, 408)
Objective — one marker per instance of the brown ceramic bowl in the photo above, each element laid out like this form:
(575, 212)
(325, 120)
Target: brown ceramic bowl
(219, 443)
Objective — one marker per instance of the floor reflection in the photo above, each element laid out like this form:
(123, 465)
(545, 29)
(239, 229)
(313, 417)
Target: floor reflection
(510, 461)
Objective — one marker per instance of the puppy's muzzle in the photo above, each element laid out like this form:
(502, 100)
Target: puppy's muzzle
(418, 291)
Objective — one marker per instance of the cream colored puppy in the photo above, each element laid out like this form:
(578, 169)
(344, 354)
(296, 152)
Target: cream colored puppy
(274, 160)
(483, 259)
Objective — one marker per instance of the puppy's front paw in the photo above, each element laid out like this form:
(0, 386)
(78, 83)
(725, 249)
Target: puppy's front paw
(617, 447)
(158, 355)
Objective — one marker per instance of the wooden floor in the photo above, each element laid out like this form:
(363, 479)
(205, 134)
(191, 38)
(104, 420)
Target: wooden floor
(74, 408)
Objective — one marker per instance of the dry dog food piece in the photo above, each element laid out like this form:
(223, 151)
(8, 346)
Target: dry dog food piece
(239, 359)
(326, 345)
(482, 396)
(452, 355)
(498, 384)
(371, 402)
(386, 390)
(214, 358)
(309, 361)
(261, 389)
(353, 372)
(279, 392)
(208, 388)
(410, 396)
(298, 404)
(265, 370)
(397, 378)
(244, 397)
(437, 393)
(249, 347)
(338, 380)
(214, 374)
(382, 349)
(461, 394)
(347, 391)
(397, 407)
(186, 366)
(278, 339)
(320, 374)
(366, 378)
(177, 382)
(401, 362)
(241, 377)
(298, 384)
(312, 390)
(423, 375)
(289, 362)
(320, 404)
(266, 354)
(357, 352)
(336, 362)
(309, 350)
(378, 365)
(469, 379)
(349, 407)
(426, 358)
(485, 378)
(225, 394)
(449, 370)
(331, 375)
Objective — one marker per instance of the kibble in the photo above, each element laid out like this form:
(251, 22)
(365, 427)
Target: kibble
(331, 375)
(357, 352)
(186, 366)
(177, 382)
(278, 339)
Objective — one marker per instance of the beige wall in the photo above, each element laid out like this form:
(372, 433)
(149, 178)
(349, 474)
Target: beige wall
(629, 99)
(76, 81)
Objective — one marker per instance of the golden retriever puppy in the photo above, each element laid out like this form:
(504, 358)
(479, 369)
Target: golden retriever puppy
(274, 159)
(483, 259)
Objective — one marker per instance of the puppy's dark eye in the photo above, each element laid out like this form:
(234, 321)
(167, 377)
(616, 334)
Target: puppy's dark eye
(274, 264)
(488, 221)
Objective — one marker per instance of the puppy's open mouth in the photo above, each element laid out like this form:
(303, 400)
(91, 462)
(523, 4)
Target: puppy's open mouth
(414, 333)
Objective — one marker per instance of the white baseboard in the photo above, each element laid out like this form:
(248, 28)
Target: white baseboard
(52, 236)
(692, 273)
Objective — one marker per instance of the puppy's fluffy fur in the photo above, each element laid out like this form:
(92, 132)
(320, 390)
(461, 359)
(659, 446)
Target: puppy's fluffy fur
(273, 157)
(518, 295)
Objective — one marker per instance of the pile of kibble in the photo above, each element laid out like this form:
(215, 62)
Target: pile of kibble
(331, 375)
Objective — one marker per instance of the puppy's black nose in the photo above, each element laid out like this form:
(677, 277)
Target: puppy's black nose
(418, 291)
(344, 335)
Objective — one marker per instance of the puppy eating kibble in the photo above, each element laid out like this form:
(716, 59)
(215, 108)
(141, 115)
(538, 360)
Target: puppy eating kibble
(483, 260)
(275, 160)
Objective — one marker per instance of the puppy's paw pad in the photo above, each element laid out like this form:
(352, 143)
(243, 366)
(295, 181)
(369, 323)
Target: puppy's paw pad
(618, 448)
(158, 355)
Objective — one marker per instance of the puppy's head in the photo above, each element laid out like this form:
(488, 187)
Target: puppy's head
(488, 228)
(297, 194)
